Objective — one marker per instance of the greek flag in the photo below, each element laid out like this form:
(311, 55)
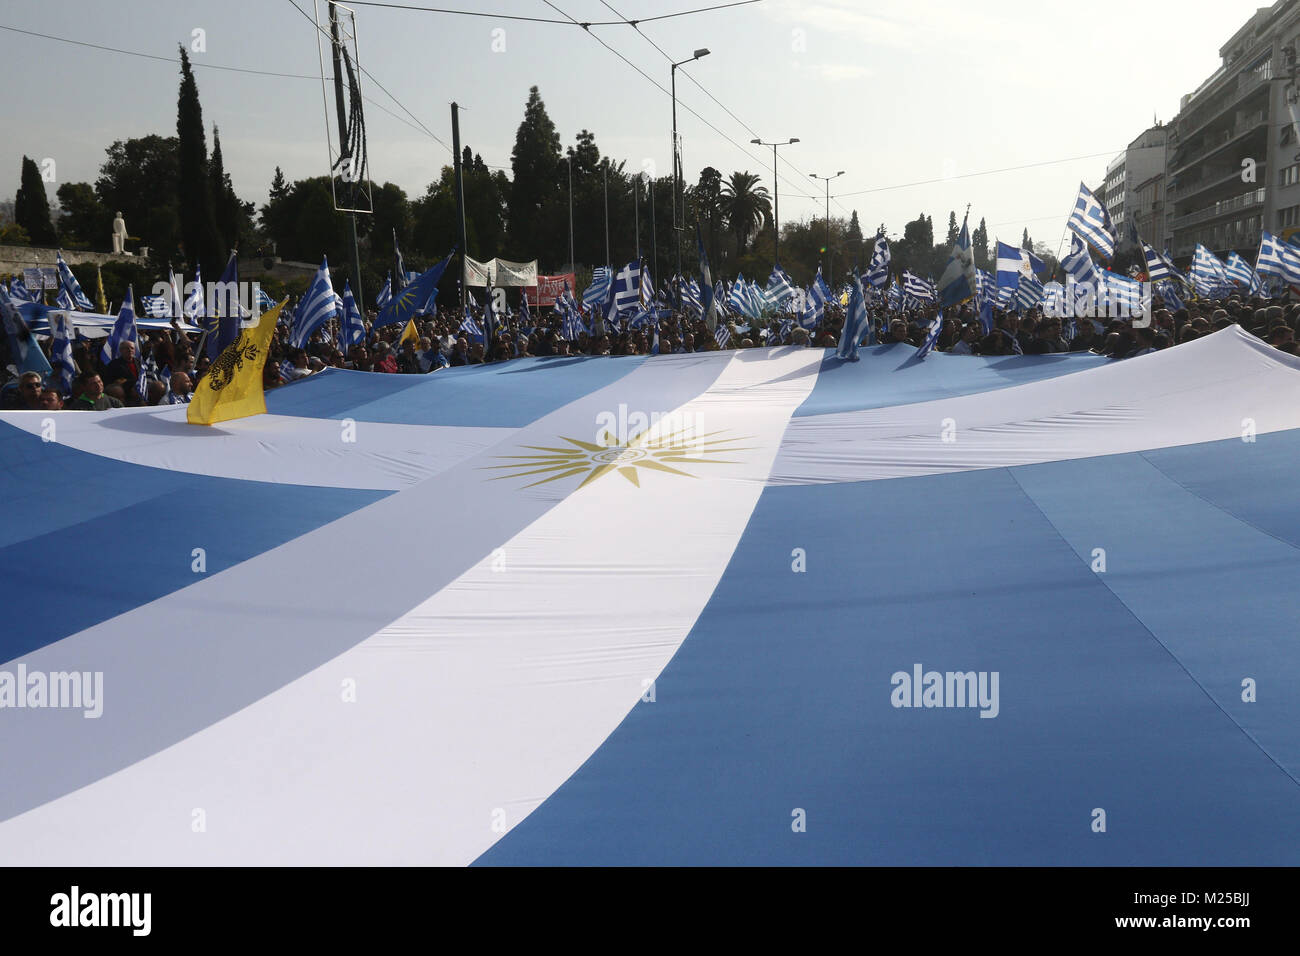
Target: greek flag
(401, 268)
(1091, 222)
(783, 333)
(779, 287)
(691, 300)
(878, 271)
(1207, 271)
(64, 368)
(931, 335)
(353, 329)
(1078, 264)
(1011, 265)
(1054, 299)
(822, 288)
(596, 293)
(1239, 270)
(1159, 267)
(855, 322)
(68, 282)
(647, 286)
(1029, 292)
(18, 291)
(194, 308)
(175, 301)
(959, 282)
(123, 330)
(814, 308)
(722, 336)
(736, 296)
(894, 297)
(914, 286)
(153, 306)
(709, 298)
(26, 354)
(572, 326)
(386, 293)
(316, 307)
(1123, 293)
(470, 327)
(627, 289)
(1169, 292)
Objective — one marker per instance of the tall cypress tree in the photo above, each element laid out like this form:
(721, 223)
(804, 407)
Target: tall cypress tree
(226, 206)
(32, 208)
(536, 165)
(198, 220)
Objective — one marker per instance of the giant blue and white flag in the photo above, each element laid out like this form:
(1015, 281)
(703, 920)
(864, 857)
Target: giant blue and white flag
(1091, 222)
(316, 307)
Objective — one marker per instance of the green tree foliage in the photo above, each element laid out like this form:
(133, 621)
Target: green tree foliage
(234, 218)
(84, 222)
(536, 183)
(199, 235)
(980, 246)
(141, 179)
(1026, 242)
(32, 207)
(953, 230)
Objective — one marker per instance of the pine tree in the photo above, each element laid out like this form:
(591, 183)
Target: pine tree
(854, 235)
(279, 188)
(198, 221)
(953, 231)
(1025, 243)
(226, 205)
(980, 246)
(32, 208)
(535, 163)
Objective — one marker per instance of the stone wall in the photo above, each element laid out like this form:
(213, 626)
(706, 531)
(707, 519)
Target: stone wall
(14, 259)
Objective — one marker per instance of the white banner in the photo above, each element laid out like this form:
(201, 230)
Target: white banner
(515, 273)
(480, 273)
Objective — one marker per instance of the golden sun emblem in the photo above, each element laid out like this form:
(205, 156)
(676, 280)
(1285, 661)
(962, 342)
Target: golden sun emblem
(600, 458)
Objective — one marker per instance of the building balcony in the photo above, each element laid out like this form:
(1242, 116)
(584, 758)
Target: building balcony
(1227, 207)
(1256, 122)
(1224, 181)
(1247, 85)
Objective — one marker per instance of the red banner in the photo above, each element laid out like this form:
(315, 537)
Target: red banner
(548, 289)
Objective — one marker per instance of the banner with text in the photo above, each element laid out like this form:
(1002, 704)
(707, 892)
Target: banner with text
(548, 289)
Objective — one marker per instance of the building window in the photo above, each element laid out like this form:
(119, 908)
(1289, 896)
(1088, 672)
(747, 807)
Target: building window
(1291, 175)
(1289, 216)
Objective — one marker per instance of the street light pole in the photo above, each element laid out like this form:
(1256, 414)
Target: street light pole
(776, 199)
(572, 265)
(677, 165)
(828, 219)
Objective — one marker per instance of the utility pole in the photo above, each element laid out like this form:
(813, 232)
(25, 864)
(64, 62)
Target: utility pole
(460, 202)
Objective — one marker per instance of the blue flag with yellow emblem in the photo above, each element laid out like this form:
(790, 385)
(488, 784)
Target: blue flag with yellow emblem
(415, 298)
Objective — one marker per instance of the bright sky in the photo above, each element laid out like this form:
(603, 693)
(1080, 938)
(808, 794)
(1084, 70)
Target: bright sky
(927, 92)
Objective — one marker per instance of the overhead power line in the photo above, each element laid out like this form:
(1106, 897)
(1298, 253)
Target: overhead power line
(570, 22)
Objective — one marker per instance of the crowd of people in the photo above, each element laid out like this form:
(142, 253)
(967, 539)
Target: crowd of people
(168, 364)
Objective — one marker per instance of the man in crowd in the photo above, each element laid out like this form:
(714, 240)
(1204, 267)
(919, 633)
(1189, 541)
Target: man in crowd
(28, 394)
(124, 372)
(88, 392)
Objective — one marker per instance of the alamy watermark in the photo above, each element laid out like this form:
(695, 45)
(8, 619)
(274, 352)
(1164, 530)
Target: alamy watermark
(922, 688)
(23, 689)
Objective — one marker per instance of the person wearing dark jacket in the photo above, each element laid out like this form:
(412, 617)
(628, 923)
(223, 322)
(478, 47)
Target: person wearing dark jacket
(123, 370)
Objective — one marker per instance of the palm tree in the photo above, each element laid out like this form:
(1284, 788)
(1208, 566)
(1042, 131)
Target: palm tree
(746, 206)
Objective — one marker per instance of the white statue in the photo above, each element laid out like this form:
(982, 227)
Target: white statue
(119, 234)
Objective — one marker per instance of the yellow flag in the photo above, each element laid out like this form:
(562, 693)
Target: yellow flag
(409, 333)
(100, 301)
(232, 387)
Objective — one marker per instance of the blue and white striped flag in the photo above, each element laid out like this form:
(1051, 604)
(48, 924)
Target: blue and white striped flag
(68, 282)
(931, 335)
(123, 330)
(317, 306)
(596, 293)
(959, 282)
(1029, 292)
(878, 271)
(1159, 267)
(386, 293)
(470, 327)
(722, 335)
(1239, 270)
(627, 289)
(19, 293)
(264, 302)
(779, 288)
(1169, 292)
(1078, 264)
(1091, 222)
(855, 322)
(64, 368)
(195, 310)
(1054, 299)
(353, 329)
(153, 307)
(1208, 273)
(916, 287)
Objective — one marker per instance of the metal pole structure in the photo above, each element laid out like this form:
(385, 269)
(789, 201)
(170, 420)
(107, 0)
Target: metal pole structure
(636, 212)
(654, 246)
(776, 199)
(608, 261)
(460, 202)
(336, 47)
(572, 265)
(677, 170)
(830, 272)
